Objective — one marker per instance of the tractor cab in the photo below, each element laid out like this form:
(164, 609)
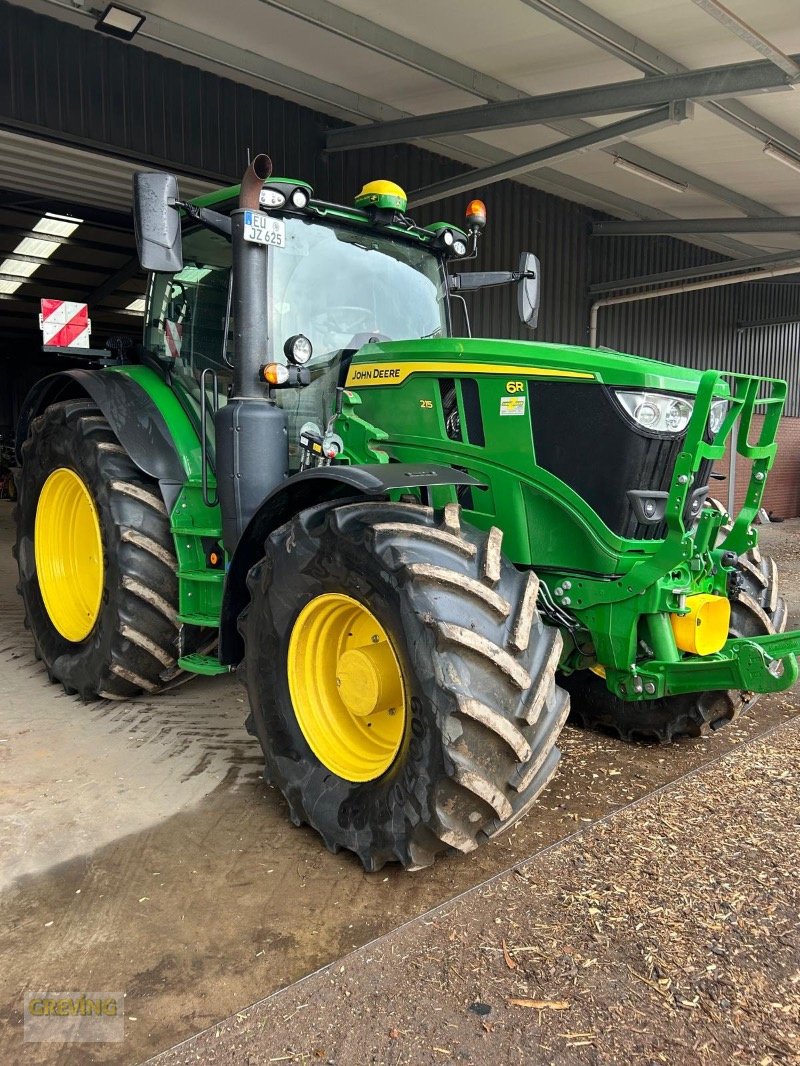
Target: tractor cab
(341, 278)
(339, 287)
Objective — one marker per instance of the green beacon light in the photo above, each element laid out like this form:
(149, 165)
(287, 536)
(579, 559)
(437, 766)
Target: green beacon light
(383, 195)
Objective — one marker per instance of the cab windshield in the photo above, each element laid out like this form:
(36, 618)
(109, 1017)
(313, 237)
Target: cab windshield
(340, 286)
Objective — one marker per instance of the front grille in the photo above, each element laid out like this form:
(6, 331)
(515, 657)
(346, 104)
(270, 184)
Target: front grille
(582, 437)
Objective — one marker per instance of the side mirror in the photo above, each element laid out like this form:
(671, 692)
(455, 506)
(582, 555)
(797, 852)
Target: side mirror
(157, 222)
(528, 293)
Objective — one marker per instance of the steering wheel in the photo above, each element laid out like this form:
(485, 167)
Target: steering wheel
(347, 318)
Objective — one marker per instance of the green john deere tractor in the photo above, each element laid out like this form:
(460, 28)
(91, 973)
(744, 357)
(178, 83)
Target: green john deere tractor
(412, 547)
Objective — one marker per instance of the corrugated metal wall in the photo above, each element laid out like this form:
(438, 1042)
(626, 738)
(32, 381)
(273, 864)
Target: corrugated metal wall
(88, 89)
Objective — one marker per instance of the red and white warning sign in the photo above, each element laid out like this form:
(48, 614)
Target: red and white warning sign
(65, 324)
(173, 335)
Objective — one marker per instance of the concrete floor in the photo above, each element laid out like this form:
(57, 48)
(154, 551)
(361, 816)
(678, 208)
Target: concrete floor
(142, 853)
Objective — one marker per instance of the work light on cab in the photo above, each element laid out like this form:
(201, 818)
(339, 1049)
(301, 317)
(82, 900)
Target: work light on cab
(298, 350)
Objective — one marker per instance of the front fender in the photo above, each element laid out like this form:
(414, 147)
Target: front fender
(299, 492)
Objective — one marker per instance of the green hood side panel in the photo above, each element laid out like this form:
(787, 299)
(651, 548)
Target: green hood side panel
(544, 521)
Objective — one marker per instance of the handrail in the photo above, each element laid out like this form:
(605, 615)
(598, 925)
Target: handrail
(203, 435)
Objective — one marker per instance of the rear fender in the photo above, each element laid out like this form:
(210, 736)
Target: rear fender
(305, 490)
(131, 412)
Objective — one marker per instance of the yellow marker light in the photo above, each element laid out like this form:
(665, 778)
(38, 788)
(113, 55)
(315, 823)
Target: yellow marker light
(704, 630)
(476, 214)
(275, 373)
(382, 194)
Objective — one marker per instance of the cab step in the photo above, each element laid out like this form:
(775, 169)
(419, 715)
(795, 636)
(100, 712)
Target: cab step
(202, 664)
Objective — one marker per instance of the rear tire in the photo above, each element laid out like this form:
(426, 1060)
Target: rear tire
(133, 641)
(482, 709)
(756, 609)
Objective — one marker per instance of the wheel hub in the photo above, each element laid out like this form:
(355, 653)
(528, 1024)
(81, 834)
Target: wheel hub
(68, 547)
(346, 687)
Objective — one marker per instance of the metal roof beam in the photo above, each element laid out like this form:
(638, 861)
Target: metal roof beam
(615, 40)
(749, 35)
(650, 120)
(785, 320)
(368, 34)
(52, 238)
(689, 273)
(170, 38)
(672, 227)
(117, 279)
(637, 154)
(708, 83)
(66, 264)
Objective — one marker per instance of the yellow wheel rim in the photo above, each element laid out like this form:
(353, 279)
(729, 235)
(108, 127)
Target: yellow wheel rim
(346, 687)
(68, 547)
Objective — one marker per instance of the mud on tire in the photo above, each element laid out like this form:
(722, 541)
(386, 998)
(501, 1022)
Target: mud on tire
(134, 641)
(483, 708)
(756, 608)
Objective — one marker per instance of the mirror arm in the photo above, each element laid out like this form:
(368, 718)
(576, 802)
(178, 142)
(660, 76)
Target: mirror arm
(212, 220)
(487, 280)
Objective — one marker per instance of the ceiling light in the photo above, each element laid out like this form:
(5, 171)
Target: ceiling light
(136, 306)
(119, 22)
(650, 175)
(50, 226)
(774, 152)
(64, 218)
(57, 225)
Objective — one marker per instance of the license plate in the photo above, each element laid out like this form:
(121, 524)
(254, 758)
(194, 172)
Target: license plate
(260, 228)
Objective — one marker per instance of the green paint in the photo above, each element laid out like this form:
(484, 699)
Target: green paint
(619, 592)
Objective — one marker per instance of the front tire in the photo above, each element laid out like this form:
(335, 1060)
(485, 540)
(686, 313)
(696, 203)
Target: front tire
(481, 709)
(102, 602)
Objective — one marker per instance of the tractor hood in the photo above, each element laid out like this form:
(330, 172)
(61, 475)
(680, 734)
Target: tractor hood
(392, 362)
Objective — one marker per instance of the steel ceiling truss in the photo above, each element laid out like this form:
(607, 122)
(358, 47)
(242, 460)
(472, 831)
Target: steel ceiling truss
(676, 226)
(521, 164)
(734, 266)
(361, 31)
(354, 107)
(708, 83)
(611, 38)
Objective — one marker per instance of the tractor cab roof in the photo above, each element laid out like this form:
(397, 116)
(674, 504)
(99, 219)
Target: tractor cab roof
(381, 206)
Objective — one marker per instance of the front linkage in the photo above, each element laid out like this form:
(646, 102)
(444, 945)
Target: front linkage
(616, 620)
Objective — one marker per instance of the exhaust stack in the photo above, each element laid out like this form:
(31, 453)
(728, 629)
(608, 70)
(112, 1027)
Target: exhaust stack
(252, 447)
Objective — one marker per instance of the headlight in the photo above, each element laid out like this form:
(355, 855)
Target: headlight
(271, 198)
(459, 247)
(298, 349)
(719, 408)
(300, 198)
(657, 411)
